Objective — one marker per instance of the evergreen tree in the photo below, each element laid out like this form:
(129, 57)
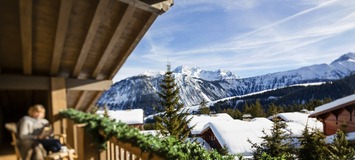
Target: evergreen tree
(274, 145)
(203, 108)
(312, 145)
(173, 120)
(257, 110)
(273, 110)
(223, 151)
(246, 108)
(234, 113)
(106, 112)
(340, 148)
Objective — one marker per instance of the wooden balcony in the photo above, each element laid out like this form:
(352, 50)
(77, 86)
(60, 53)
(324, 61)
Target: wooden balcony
(83, 144)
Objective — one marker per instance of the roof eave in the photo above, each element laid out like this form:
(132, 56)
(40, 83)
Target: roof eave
(154, 6)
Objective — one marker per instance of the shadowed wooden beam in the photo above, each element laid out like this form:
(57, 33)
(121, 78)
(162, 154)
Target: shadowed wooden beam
(92, 103)
(63, 20)
(87, 85)
(139, 36)
(15, 82)
(11, 82)
(94, 26)
(26, 34)
(114, 39)
(80, 100)
(59, 103)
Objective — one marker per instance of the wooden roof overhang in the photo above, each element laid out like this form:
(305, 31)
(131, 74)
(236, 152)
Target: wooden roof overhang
(349, 105)
(78, 44)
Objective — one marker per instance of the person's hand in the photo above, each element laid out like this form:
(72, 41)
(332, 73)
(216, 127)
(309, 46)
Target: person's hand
(40, 137)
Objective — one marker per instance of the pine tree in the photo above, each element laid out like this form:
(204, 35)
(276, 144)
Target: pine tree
(340, 148)
(312, 145)
(106, 110)
(246, 108)
(257, 110)
(234, 113)
(173, 120)
(274, 145)
(273, 109)
(203, 108)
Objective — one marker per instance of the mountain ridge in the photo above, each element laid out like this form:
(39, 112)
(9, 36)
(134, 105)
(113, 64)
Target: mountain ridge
(197, 85)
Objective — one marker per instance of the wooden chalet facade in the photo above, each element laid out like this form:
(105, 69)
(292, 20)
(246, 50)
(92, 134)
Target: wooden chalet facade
(64, 54)
(339, 114)
(210, 138)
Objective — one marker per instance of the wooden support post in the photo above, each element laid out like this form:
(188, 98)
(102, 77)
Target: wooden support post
(59, 103)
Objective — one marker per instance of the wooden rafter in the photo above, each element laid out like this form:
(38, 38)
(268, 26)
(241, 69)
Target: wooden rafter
(80, 100)
(94, 26)
(88, 85)
(139, 36)
(63, 20)
(26, 34)
(114, 39)
(92, 103)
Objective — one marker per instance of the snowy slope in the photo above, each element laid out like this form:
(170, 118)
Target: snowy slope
(197, 85)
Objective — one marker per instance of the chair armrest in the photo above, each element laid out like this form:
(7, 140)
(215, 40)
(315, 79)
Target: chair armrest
(62, 138)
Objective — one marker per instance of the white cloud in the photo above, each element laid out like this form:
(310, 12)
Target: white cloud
(293, 41)
(225, 4)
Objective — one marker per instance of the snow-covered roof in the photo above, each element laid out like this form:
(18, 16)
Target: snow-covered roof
(300, 118)
(132, 116)
(235, 134)
(201, 120)
(334, 105)
(150, 132)
(295, 129)
(349, 136)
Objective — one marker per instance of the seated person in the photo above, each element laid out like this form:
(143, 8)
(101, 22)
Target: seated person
(33, 136)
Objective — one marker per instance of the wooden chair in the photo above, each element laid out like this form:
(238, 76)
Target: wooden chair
(69, 153)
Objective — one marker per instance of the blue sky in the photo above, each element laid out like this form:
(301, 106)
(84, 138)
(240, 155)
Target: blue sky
(247, 37)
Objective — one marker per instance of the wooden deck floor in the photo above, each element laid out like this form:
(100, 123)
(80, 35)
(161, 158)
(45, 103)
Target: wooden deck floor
(7, 152)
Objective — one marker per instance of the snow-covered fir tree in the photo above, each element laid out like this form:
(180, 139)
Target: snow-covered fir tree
(173, 120)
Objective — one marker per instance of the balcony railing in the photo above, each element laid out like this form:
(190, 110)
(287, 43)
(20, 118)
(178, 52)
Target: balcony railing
(125, 151)
(123, 142)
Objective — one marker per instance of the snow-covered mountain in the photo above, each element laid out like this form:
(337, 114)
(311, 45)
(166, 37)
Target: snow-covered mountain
(205, 75)
(197, 85)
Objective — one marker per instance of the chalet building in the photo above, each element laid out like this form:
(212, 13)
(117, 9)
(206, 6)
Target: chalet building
(199, 121)
(301, 118)
(338, 114)
(132, 117)
(64, 54)
(234, 134)
(247, 117)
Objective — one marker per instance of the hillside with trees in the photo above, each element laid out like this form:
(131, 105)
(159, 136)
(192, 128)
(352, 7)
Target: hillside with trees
(293, 98)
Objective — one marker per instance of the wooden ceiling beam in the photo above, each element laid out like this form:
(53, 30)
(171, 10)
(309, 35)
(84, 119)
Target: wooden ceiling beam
(139, 36)
(114, 39)
(16, 82)
(80, 100)
(12, 82)
(92, 103)
(26, 34)
(87, 85)
(94, 26)
(62, 26)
